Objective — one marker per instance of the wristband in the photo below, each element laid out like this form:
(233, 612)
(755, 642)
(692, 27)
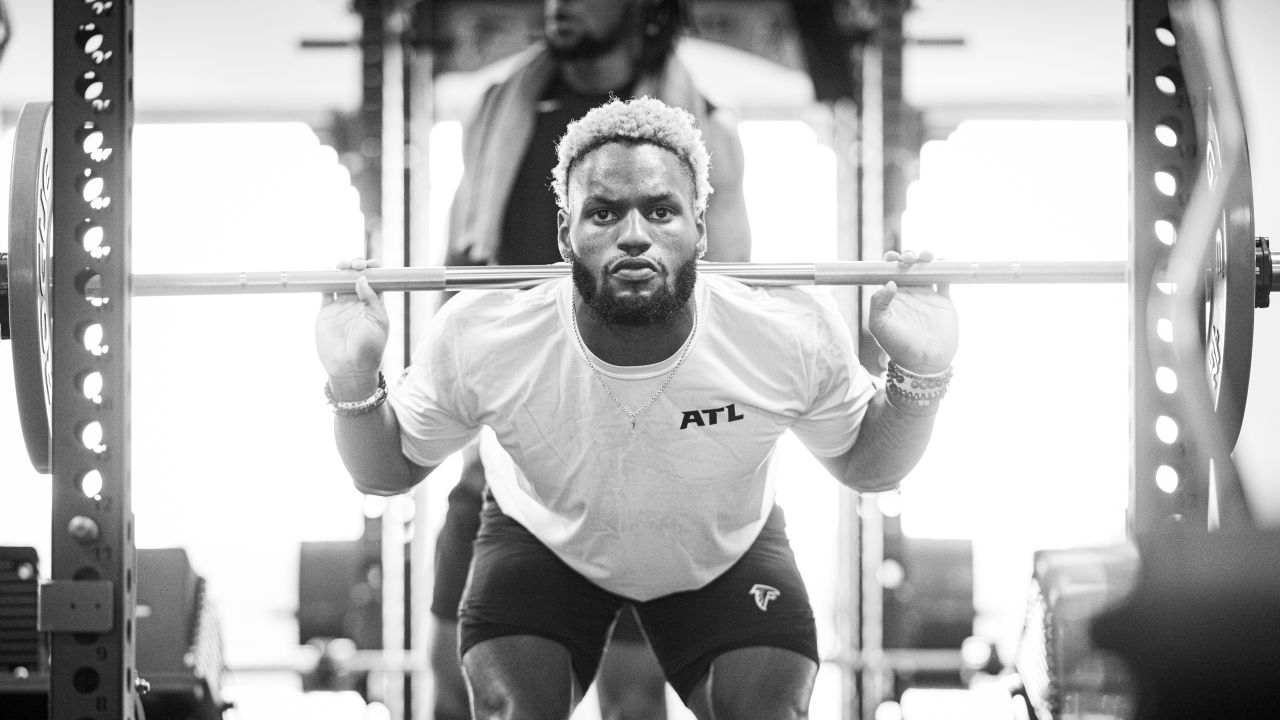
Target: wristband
(356, 408)
(907, 389)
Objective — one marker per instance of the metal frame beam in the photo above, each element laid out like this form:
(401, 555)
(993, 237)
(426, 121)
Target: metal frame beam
(1150, 58)
(92, 656)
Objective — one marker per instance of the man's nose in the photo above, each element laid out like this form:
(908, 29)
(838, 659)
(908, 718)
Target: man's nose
(633, 233)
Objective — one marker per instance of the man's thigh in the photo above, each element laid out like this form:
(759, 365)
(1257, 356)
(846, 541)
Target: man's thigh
(518, 587)
(520, 676)
(755, 682)
(759, 602)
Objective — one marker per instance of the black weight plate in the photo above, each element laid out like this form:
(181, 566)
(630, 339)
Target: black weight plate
(30, 263)
(1231, 285)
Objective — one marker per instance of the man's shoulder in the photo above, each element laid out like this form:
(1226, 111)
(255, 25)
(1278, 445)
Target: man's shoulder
(792, 315)
(785, 298)
(515, 69)
(480, 307)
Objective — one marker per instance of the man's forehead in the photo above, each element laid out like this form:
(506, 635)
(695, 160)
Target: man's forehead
(626, 167)
(622, 150)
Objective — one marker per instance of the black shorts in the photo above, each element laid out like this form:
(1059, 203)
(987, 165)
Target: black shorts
(453, 551)
(454, 542)
(519, 587)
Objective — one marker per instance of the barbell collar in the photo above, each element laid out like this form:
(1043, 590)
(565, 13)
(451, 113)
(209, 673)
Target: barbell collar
(413, 279)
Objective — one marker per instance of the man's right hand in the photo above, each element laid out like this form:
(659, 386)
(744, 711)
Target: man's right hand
(351, 334)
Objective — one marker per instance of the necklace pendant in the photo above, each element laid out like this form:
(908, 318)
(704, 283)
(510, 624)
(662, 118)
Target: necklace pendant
(586, 355)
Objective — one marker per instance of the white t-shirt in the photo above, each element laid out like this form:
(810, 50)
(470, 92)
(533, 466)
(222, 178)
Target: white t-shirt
(670, 505)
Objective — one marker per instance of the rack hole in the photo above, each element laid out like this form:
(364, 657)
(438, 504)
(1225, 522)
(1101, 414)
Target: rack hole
(85, 680)
(91, 188)
(92, 89)
(89, 285)
(91, 483)
(91, 337)
(91, 436)
(91, 386)
(91, 239)
(92, 141)
(90, 40)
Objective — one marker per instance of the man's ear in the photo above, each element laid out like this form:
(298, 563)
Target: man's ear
(562, 234)
(700, 222)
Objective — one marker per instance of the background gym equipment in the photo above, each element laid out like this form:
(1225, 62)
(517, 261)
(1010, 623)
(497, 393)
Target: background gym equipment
(179, 647)
(23, 665)
(1181, 623)
(1198, 631)
(179, 641)
(1057, 669)
(25, 275)
(29, 284)
(89, 181)
(1235, 285)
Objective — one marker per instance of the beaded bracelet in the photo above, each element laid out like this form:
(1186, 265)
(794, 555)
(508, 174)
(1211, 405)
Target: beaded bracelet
(356, 408)
(921, 391)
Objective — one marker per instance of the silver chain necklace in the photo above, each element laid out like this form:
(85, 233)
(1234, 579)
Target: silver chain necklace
(586, 355)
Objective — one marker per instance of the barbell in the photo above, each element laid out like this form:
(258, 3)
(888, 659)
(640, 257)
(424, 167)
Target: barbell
(1240, 263)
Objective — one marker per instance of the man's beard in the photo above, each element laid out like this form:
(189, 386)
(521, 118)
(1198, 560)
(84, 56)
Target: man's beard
(635, 311)
(589, 47)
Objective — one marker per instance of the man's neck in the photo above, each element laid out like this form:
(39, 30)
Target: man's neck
(628, 345)
(613, 71)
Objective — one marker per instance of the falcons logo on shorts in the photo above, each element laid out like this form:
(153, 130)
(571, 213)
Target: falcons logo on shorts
(763, 594)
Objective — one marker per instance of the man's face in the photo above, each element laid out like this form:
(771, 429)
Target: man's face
(579, 29)
(632, 233)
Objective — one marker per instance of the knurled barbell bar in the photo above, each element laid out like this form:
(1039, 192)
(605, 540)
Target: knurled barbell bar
(26, 282)
(413, 279)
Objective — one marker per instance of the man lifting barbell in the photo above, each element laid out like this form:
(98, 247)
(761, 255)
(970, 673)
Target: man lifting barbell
(638, 404)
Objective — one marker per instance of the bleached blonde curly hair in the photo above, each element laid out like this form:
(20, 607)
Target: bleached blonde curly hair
(641, 120)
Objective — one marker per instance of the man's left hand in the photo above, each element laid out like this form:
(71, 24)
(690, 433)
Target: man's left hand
(916, 325)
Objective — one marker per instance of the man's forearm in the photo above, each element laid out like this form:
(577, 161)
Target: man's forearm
(890, 443)
(370, 448)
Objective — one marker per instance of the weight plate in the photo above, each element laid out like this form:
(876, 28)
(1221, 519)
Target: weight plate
(30, 264)
(1230, 286)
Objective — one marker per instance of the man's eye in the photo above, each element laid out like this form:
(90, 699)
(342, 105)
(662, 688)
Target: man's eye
(601, 215)
(662, 213)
